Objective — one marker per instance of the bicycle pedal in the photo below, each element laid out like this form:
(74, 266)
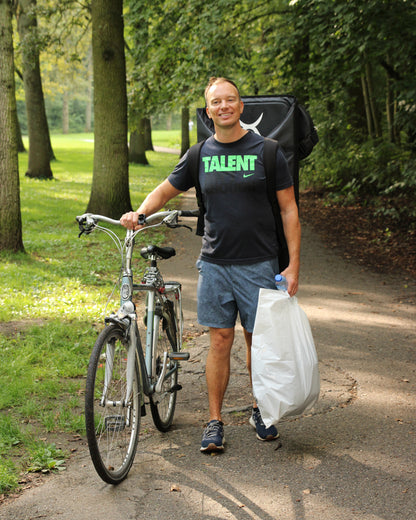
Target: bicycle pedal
(179, 356)
(175, 388)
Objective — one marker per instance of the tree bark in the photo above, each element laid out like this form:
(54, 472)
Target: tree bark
(137, 152)
(110, 185)
(185, 130)
(390, 106)
(148, 134)
(371, 98)
(65, 113)
(10, 215)
(369, 118)
(40, 148)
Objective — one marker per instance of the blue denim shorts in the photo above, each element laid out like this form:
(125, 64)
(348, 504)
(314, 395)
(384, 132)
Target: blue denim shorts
(224, 291)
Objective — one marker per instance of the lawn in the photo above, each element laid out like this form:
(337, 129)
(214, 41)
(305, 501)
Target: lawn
(54, 298)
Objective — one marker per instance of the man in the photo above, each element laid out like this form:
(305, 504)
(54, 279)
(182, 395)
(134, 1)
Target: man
(239, 246)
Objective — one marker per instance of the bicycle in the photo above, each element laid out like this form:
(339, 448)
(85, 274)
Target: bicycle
(120, 375)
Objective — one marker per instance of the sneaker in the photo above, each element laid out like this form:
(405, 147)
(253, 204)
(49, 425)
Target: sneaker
(263, 433)
(213, 437)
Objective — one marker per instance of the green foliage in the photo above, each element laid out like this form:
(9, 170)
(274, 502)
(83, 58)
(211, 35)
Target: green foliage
(319, 50)
(54, 297)
(381, 175)
(46, 458)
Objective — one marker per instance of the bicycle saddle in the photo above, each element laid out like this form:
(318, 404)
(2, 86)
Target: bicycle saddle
(161, 252)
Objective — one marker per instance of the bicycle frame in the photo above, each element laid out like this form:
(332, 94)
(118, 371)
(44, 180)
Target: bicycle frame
(126, 317)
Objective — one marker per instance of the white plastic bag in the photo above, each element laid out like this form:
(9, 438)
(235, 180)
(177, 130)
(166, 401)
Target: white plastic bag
(284, 363)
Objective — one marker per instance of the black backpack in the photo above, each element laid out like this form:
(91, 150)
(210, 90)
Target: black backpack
(284, 123)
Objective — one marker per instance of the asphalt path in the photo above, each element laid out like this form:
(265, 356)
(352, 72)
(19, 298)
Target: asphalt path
(351, 457)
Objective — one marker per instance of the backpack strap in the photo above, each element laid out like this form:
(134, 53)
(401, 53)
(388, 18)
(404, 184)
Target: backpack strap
(194, 154)
(269, 161)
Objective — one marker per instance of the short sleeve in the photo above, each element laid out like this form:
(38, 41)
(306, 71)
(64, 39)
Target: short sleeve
(283, 177)
(181, 177)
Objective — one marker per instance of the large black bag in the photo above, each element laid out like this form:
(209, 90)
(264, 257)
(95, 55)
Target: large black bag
(280, 118)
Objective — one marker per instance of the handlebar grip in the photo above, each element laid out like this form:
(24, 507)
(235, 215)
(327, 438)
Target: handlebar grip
(189, 213)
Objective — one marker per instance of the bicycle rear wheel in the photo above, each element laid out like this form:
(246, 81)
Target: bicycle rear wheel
(163, 403)
(112, 417)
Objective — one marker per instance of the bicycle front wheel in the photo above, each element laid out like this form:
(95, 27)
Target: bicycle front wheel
(112, 410)
(163, 403)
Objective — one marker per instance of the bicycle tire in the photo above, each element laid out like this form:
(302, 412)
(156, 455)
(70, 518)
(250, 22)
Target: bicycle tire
(163, 404)
(112, 430)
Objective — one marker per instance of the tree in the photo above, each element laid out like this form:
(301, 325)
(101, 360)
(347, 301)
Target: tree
(137, 147)
(67, 71)
(173, 52)
(110, 194)
(184, 130)
(40, 148)
(10, 217)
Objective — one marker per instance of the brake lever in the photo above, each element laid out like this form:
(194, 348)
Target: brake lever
(172, 226)
(84, 228)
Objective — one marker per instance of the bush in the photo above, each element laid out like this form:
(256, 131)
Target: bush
(365, 170)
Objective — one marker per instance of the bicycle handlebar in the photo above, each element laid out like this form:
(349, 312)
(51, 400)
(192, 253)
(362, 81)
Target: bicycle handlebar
(88, 221)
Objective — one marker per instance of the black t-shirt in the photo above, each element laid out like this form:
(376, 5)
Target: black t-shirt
(239, 226)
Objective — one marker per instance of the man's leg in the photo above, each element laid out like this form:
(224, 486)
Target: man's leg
(218, 368)
(248, 336)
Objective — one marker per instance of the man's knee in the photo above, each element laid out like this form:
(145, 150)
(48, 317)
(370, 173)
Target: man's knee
(221, 339)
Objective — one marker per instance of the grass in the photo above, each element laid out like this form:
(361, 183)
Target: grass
(54, 297)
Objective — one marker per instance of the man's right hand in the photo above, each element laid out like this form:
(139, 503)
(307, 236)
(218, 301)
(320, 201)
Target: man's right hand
(130, 220)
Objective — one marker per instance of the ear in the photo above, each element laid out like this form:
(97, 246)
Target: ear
(207, 111)
(241, 107)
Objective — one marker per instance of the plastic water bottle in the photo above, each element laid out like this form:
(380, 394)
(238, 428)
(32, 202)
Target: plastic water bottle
(281, 282)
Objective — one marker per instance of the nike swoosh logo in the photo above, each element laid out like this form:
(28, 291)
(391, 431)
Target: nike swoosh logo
(248, 175)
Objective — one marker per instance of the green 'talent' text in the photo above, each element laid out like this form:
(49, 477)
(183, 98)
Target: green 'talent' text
(229, 163)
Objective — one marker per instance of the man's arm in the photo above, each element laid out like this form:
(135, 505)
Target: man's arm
(151, 204)
(291, 227)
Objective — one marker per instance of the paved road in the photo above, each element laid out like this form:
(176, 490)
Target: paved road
(352, 457)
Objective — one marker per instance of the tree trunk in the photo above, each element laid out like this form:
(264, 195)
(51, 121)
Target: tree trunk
(40, 148)
(185, 130)
(137, 153)
(65, 113)
(10, 216)
(148, 134)
(369, 118)
(371, 98)
(110, 194)
(391, 107)
(20, 144)
(396, 128)
(390, 110)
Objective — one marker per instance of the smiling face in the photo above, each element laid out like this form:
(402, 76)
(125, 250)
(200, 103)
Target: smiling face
(224, 105)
